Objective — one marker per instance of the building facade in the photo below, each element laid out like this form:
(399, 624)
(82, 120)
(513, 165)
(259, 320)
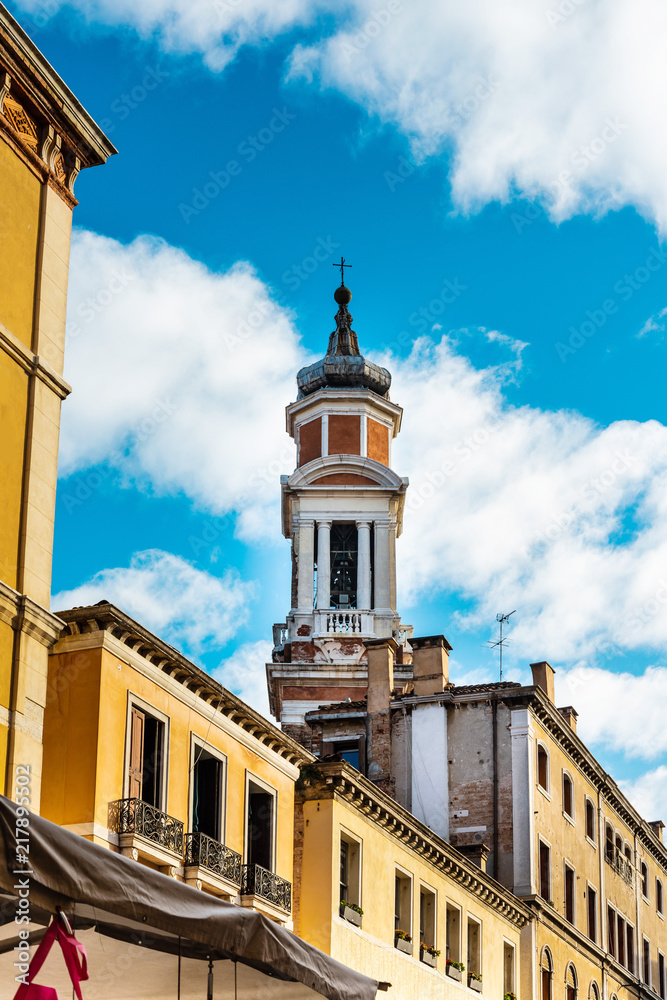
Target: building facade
(46, 138)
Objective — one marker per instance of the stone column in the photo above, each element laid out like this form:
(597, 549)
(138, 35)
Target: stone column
(306, 565)
(383, 567)
(364, 565)
(323, 565)
(521, 735)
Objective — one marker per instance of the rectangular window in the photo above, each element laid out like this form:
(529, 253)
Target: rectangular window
(659, 899)
(568, 796)
(592, 902)
(352, 750)
(146, 771)
(453, 933)
(611, 932)
(545, 871)
(261, 819)
(474, 946)
(509, 974)
(343, 566)
(427, 911)
(543, 768)
(646, 961)
(590, 821)
(207, 793)
(662, 986)
(631, 949)
(569, 893)
(403, 902)
(620, 938)
(350, 869)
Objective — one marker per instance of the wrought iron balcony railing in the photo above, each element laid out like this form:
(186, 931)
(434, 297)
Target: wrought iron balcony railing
(136, 816)
(621, 865)
(258, 881)
(211, 854)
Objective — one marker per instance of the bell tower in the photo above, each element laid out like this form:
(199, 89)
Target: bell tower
(342, 510)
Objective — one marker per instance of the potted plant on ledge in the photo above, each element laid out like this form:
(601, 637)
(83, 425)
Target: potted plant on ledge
(403, 941)
(351, 912)
(475, 981)
(454, 970)
(428, 954)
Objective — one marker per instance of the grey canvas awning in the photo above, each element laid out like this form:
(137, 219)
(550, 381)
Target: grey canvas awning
(138, 924)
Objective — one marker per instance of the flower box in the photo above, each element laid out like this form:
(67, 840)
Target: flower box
(427, 958)
(475, 984)
(454, 973)
(347, 913)
(403, 945)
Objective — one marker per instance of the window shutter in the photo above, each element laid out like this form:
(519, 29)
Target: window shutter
(137, 723)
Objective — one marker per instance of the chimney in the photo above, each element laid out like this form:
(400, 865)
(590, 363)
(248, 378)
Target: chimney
(430, 664)
(543, 677)
(657, 826)
(380, 653)
(570, 715)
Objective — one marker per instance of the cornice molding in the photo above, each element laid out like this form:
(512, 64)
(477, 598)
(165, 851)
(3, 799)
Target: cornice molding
(32, 363)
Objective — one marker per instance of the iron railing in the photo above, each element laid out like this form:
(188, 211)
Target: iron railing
(257, 881)
(209, 853)
(136, 816)
(621, 865)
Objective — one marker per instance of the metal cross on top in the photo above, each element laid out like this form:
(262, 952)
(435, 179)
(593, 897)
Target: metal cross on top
(342, 267)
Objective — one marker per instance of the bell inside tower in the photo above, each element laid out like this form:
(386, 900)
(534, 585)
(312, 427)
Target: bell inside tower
(344, 555)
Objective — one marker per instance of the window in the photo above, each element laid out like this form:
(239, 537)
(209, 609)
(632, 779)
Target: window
(147, 753)
(207, 791)
(644, 876)
(474, 946)
(611, 931)
(590, 821)
(261, 822)
(594, 993)
(427, 910)
(542, 767)
(352, 750)
(646, 961)
(662, 986)
(350, 869)
(659, 900)
(568, 796)
(592, 901)
(628, 853)
(343, 566)
(546, 972)
(509, 972)
(571, 983)
(631, 949)
(620, 938)
(453, 933)
(569, 893)
(403, 902)
(545, 871)
(609, 843)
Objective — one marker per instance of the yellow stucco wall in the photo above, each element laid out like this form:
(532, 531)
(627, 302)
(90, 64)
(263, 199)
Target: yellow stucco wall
(371, 949)
(19, 225)
(13, 401)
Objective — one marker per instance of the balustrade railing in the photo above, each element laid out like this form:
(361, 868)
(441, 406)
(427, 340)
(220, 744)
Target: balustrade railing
(211, 854)
(136, 816)
(343, 621)
(621, 865)
(258, 881)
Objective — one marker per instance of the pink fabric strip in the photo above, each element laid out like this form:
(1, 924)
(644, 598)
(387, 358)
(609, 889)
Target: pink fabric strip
(76, 961)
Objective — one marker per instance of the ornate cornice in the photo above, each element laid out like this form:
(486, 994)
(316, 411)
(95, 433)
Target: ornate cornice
(340, 780)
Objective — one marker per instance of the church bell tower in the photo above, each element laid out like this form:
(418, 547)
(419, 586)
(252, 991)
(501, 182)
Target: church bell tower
(342, 510)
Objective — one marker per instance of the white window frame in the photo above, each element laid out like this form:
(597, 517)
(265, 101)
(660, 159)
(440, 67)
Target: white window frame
(349, 836)
(598, 929)
(644, 864)
(649, 981)
(199, 743)
(661, 954)
(545, 791)
(449, 903)
(660, 897)
(570, 817)
(401, 872)
(510, 944)
(434, 893)
(264, 785)
(543, 840)
(471, 918)
(568, 864)
(593, 843)
(135, 701)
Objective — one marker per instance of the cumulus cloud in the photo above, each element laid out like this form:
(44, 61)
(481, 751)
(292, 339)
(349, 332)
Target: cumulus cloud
(189, 608)
(648, 793)
(244, 673)
(516, 507)
(180, 376)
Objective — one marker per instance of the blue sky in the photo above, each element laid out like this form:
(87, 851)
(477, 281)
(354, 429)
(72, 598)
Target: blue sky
(501, 197)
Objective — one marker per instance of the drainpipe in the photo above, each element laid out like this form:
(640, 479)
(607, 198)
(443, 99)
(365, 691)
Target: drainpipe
(494, 710)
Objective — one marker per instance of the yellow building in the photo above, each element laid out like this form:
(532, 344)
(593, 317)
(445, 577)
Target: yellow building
(46, 138)
(355, 845)
(148, 755)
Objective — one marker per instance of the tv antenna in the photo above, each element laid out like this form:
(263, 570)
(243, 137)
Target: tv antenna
(502, 620)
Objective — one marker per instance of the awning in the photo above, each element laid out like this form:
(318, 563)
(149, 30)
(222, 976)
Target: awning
(138, 925)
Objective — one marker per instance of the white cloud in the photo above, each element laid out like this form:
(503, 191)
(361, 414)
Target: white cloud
(545, 512)
(190, 609)
(654, 325)
(180, 376)
(244, 673)
(648, 793)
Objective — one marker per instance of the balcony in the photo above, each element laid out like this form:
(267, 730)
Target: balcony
(148, 833)
(211, 865)
(265, 891)
(621, 865)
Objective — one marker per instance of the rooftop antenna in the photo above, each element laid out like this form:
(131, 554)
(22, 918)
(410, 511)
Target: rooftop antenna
(502, 620)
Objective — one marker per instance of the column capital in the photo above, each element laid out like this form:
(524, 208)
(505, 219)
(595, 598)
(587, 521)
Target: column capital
(305, 522)
(363, 524)
(325, 523)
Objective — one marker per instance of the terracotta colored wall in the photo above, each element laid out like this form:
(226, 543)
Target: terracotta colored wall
(378, 441)
(344, 434)
(344, 479)
(310, 440)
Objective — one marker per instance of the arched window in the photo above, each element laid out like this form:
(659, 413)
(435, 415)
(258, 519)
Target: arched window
(546, 974)
(644, 871)
(594, 992)
(590, 821)
(571, 983)
(628, 852)
(542, 767)
(659, 900)
(568, 795)
(609, 843)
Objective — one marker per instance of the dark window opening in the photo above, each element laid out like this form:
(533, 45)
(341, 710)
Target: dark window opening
(569, 894)
(646, 963)
(609, 843)
(207, 794)
(659, 901)
(591, 896)
(568, 808)
(631, 949)
(344, 870)
(545, 871)
(343, 566)
(590, 820)
(260, 826)
(543, 768)
(662, 986)
(620, 938)
(146, 768)
(611, 932)
(644, 870)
